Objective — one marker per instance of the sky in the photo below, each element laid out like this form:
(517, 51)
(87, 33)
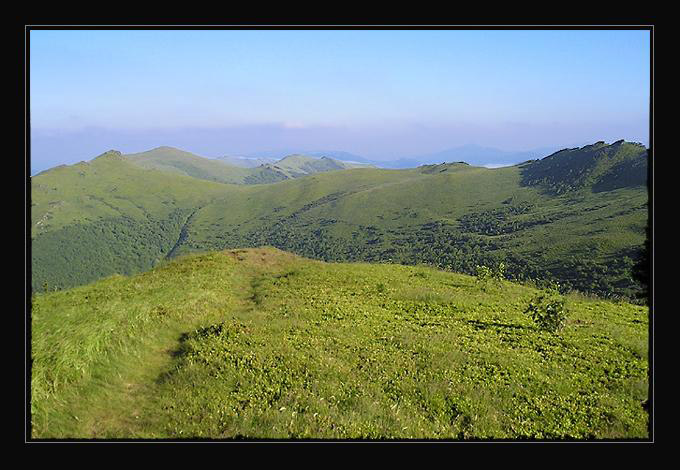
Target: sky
(381, 94)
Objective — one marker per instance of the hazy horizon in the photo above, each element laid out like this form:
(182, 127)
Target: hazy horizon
(382, 95)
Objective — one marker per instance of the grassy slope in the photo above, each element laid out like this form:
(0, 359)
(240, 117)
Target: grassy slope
(108, 216)
(261, 343)
(299, 165)
(180, 162)
(110, 186)
(379, 214)
(600, 166)
(169, 159)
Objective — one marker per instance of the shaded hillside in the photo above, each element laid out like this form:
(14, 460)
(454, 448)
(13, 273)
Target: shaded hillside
(260, 343)
(600, 167)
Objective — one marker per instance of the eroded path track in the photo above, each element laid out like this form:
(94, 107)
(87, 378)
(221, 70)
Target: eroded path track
(113, 393)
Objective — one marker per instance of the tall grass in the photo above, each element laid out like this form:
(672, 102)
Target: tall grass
(263, 344)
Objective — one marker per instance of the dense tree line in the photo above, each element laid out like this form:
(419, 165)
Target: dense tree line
(444, 246)
(81, 253)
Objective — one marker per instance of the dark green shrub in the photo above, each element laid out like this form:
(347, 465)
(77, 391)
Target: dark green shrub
(484, 273)
(499, 272)
(548, 311)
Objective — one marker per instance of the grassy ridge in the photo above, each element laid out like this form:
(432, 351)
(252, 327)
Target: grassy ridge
(599, 166)
(168, 159)
(110, 186)
(295, 166)
(108, 216)
(261, 343)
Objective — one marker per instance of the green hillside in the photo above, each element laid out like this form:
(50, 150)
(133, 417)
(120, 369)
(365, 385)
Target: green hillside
(599, 166)
(177, 161)
(586, 232)
(295, 166)
(260, 343)
(108, 216)
(453, 216)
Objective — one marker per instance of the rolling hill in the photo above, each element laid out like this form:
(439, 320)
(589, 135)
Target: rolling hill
(177, 161)
(107, 216)
(259, 343)
(295, 166)
(336, 154)
(577, 216)
(599, 166)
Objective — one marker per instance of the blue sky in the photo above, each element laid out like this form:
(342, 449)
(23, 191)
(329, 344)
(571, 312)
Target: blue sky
(380, 94)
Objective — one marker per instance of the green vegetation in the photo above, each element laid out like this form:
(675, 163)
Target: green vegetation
(547, 310)
(294, 166)
(82, 253)
(107, 216)
(168, 159)
(486, 274)
(260, 343)
(585, 230)
(599, 166)
(455, 218)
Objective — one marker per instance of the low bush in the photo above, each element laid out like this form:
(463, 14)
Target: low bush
(548, 311)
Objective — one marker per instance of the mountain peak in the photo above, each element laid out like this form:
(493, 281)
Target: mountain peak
(166, 148)
(163, 152)
(295, 157)
(599, 166)
(110, 154)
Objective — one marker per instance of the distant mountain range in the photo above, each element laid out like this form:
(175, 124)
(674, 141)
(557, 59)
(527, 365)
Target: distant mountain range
(474, 155)
(268, 167)
(471, 154)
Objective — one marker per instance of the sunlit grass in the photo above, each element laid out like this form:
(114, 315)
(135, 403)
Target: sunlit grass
(263, 344)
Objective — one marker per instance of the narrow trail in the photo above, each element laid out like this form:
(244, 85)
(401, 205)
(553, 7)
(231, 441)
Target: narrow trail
(124, 404)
